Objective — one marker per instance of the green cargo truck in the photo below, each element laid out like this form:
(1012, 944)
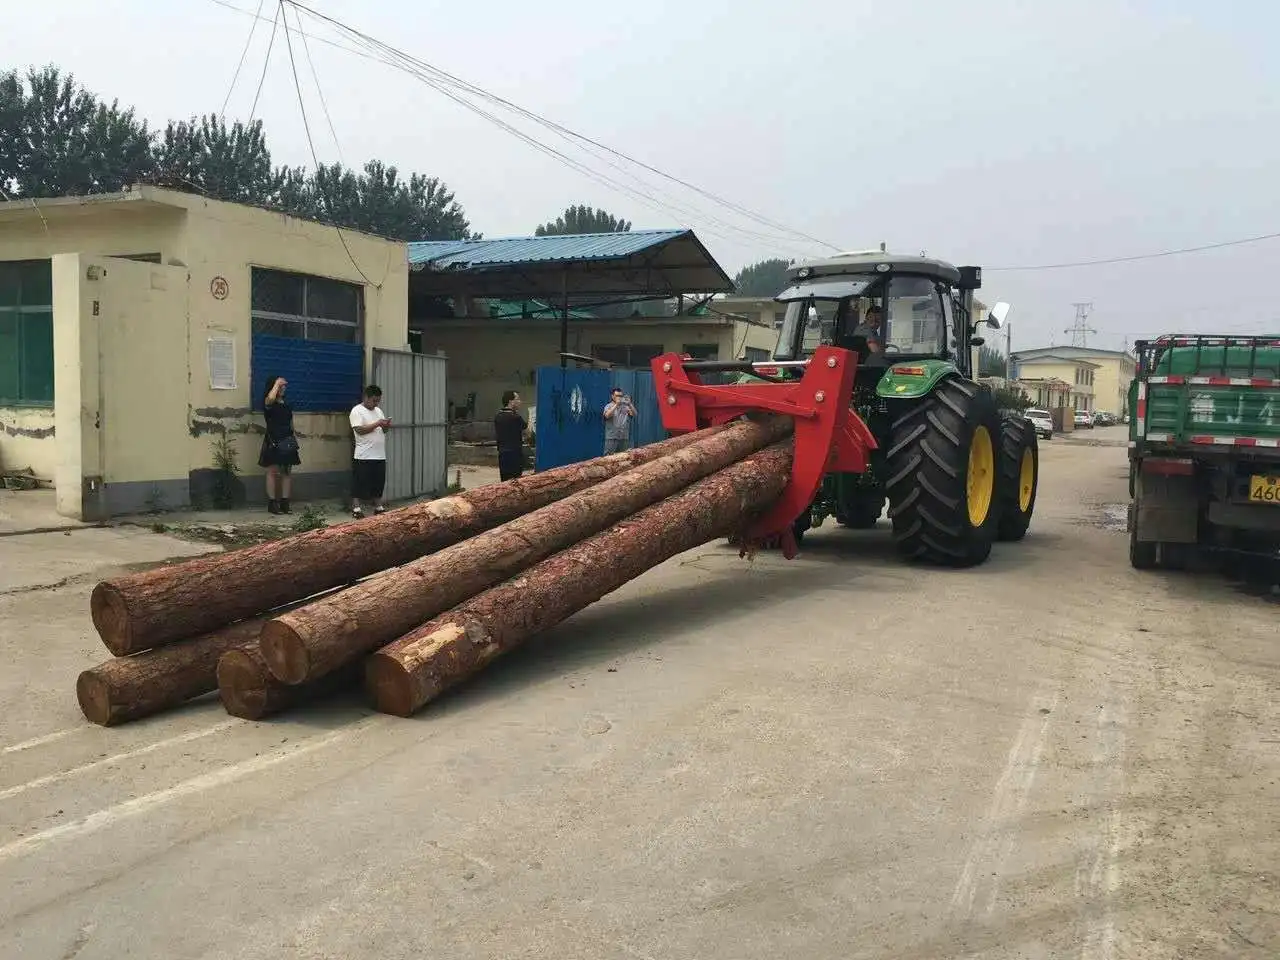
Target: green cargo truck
(1204, 448)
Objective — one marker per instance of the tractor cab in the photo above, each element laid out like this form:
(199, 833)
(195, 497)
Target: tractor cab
(886, 308)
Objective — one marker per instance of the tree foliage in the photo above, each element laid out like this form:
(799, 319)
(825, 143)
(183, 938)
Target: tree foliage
(60, 139)
(582, 219)
(1011, 398)
(56, 139)
(227, 162)
(764, 279)
(991, 362)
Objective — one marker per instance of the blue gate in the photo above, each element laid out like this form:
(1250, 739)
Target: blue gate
(570, 424)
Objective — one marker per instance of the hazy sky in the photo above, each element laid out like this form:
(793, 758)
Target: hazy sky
(996, 132)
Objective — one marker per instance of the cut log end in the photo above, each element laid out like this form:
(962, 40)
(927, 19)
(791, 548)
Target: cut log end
(94, 695)
(390, 686)
(285, 653)
(243, 685)
(111, 619)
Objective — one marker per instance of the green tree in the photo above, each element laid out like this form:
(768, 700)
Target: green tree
(764, 279)
(220, 161)
(61, 139)
(377, 201)
(1011, 398)
(582, 219)
(991, 362)
(56, 138)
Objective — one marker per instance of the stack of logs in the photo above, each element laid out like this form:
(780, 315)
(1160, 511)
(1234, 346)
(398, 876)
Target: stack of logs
(417, 599)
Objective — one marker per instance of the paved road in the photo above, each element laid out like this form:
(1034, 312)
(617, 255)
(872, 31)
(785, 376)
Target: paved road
(1049, 756)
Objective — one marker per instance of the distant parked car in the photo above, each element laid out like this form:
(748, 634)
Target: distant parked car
(1041, 420)
(1083, 420)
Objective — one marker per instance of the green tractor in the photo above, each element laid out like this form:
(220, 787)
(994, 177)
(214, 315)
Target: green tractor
(957, 473)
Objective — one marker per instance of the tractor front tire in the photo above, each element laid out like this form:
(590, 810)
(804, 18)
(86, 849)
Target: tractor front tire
(1019, 477)
(863, 515)
(943, 468)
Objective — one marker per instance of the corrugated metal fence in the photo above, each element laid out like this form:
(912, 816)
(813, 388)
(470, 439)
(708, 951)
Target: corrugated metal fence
(570, 424)
(414, 397)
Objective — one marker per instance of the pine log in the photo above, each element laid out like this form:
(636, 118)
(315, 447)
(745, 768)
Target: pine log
(155, 607)
(249, 691)
(413, 670)
(130, 688)
(313, 639)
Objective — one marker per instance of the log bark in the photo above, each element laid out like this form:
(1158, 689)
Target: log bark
(249, 691)
(408, 673)
(313, 639)
(156, 607)
(130, 688)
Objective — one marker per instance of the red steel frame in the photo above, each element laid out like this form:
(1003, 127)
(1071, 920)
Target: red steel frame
(829, 435)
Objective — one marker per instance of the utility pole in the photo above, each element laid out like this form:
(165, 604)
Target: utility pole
(1008, 351)
(1080, 330)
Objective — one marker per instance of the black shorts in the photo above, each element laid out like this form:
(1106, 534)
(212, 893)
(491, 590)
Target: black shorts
(368, 478)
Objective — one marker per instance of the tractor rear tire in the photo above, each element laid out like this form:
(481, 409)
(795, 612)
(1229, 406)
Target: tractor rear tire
(1019, 477)
(943, 468)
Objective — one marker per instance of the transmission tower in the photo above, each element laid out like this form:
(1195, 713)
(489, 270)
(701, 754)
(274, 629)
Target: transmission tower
(1080, 330)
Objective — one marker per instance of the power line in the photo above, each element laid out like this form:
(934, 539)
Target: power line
(449, 86)
(306, 126)
(266, 61)
(315, 78)
(635, 193)
(239, 66)
(550, 124)
(1144, 256)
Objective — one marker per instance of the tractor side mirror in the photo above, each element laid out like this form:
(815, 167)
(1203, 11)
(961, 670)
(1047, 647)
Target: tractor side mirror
(997, 315)
(976, 341)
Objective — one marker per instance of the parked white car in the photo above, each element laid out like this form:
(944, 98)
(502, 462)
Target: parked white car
(1041, 420)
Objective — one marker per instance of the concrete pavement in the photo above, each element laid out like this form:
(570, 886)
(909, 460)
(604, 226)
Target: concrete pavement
(841, 756)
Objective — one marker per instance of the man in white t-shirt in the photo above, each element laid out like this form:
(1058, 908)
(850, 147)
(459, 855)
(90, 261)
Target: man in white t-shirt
(369, 468)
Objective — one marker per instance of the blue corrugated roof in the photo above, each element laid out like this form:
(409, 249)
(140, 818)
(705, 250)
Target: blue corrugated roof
(442, 254)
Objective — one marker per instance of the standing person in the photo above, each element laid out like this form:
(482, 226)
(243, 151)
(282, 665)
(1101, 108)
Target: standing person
(279, 453)
(508, 430)
(369, 466)
(617, 422)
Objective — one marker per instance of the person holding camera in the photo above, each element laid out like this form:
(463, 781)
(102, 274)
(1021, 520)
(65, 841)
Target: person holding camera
(618, 413)
(508, 430)
(369, 466)
(279, 454)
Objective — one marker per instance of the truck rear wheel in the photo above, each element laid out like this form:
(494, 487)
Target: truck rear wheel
(943, 476)
(1142, 553)
(1019, 477)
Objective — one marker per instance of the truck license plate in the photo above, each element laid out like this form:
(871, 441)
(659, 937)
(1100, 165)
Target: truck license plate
(1264, 489)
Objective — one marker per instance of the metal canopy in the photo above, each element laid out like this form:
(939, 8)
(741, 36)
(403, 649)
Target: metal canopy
(640, 263)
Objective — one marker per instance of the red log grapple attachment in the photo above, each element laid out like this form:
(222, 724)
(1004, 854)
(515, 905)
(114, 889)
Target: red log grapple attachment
(829, 436)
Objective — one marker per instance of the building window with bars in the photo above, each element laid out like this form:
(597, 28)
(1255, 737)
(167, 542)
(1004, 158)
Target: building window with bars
(26, 333)
(308, 330)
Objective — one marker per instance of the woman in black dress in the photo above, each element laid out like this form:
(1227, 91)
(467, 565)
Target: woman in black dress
(279, 447)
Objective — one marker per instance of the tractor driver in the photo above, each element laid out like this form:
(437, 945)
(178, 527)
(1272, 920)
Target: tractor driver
(871, 331)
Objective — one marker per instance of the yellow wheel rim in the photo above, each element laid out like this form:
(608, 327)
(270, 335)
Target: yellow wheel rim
(982, 480)
(1026, 480)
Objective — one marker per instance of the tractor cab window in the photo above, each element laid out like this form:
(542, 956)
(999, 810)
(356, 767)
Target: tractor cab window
(807, 325)
(815, 313)
(916, 317)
